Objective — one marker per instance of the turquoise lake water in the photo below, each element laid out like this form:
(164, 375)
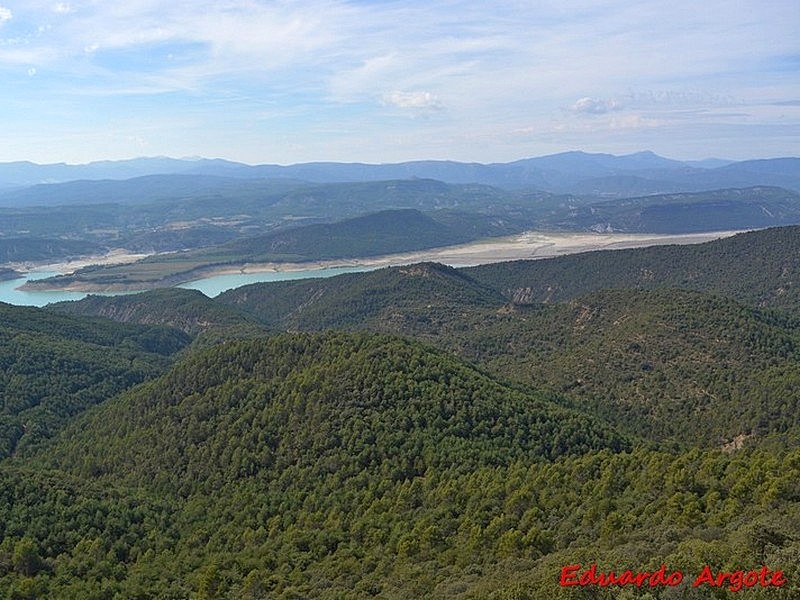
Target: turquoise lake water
(210, 286)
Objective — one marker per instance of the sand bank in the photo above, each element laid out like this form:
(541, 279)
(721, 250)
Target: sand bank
(524, 246)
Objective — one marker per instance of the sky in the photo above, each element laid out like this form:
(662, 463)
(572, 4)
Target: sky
(378, 81)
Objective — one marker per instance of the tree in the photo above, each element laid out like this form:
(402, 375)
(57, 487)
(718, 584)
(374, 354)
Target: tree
(26, 558)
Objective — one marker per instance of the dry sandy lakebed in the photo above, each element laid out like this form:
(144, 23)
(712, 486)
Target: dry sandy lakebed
(524, 246)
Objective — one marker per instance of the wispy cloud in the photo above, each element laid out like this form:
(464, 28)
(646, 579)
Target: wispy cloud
(419, 101)
(490, 70)
(63, 8)
(595, 106)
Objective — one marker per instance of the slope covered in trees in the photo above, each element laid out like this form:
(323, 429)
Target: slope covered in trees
(53, 367)
(499, 532)
(669, 365)
(385, 232)
(357, 299)
(327, 402)
(590, 425)
(760, 268)
(265, 426)
(360, 465)
(187, 310)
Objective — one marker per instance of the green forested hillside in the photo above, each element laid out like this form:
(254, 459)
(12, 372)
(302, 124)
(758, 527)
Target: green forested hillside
(485, 428)
(337, 403)
(357, 299)
(717, 210)
(188, 310)
(349, 299)
(499, 532)
(333, 465)
(760, 268)
(669, 365)
(54, 367)
(385, 232)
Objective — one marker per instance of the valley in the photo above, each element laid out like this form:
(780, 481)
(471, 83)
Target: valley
(513, 385)
(127, 276)
(383, 300)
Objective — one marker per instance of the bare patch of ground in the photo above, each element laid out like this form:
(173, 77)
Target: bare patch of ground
(524, 246)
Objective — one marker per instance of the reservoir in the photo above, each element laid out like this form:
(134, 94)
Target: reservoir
(11, 295)
(528, 245)
(210, 286)
(213, 286)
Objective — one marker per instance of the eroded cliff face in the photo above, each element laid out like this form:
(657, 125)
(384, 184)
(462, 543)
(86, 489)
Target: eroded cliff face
(528, 295)
(187, 310)
(143, 315)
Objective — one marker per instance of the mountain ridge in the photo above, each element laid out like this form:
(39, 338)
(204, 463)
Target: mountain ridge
(562, 173)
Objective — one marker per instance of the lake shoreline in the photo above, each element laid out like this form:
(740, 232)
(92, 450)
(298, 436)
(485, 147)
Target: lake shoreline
(525, 246)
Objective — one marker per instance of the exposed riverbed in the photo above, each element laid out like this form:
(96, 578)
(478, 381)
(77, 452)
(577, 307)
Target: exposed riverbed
(212, 281)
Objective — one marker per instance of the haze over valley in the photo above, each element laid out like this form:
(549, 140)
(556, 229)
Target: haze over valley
(194, 222)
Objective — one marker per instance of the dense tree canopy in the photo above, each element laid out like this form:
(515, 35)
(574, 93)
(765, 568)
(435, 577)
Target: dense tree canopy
(467, 441)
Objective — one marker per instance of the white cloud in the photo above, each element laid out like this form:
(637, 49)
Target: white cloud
(425, 101)
(634, 122)
(595, 106)
(497, 68)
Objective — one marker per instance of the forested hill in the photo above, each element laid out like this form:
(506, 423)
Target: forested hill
(54, 367)
(760, 268)
(385, 232)
(294, 432)
(357, 299)
(319, 404)
(360, 465)
(351, 299)
(187, 310)
(673, 366)
(714, 210)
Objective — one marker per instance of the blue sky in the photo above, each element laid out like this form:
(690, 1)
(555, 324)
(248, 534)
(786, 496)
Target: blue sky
(379, 81)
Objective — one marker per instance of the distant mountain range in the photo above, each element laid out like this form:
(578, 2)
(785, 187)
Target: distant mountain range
(240, 212)
(569, 172)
